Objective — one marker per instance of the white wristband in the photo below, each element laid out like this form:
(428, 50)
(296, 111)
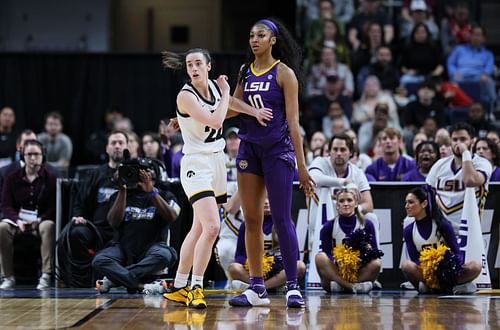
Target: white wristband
(466, 156)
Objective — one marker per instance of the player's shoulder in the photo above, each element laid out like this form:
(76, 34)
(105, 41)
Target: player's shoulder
(285, 72)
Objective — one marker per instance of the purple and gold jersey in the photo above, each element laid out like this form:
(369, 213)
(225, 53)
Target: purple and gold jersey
(261, 89)
(448, 182)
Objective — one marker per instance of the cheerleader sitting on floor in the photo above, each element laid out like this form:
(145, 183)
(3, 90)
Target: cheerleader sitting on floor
(350, 258)
(435, 260)
(272, 263)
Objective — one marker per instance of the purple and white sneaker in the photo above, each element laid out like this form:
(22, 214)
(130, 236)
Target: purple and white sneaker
(294, 299)
(251, 297)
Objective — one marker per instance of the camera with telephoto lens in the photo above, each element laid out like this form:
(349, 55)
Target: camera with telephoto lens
(128, 171)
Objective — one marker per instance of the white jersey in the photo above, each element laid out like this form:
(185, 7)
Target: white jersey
(420, 242)
(356, 175)
(450, 189)
(338, 234)
(199, 138)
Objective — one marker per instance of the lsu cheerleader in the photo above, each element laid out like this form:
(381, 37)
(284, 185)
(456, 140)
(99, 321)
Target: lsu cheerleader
(431, 243)
(272, 263)
(350, 259)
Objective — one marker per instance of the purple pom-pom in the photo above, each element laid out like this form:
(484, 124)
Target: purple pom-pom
(360, 240)
(448, 271)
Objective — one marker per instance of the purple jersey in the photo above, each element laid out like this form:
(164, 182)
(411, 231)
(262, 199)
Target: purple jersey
(413, 176)
(261, 89)
(495, 175)
(380, 171)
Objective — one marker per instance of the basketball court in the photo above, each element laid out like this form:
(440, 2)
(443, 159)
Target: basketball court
(84, 309)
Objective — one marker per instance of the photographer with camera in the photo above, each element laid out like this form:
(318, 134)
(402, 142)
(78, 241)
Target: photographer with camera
(140, 215)
(89, 229)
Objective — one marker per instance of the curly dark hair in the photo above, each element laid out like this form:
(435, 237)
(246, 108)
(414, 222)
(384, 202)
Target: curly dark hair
(495, 152)
(285, 49)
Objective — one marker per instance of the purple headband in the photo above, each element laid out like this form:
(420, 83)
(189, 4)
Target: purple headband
(269, 24)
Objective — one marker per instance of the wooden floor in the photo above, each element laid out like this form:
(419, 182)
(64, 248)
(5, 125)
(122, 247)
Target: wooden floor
(83, 309)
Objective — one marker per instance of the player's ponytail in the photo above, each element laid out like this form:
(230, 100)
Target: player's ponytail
(171, 60)
(176, 61)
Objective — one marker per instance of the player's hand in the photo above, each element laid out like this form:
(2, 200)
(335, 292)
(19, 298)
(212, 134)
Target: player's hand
(222, 83)
(264, 114)
(164, 132)
(306, 182)
(173, 124)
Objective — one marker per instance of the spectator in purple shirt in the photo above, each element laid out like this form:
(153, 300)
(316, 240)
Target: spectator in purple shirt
(333, 233)
(392, 166)
(488, 149)
(29, 206)
(427, 153)
(429, 229)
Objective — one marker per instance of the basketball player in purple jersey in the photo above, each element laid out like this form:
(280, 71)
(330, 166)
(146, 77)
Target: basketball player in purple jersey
(266, 155)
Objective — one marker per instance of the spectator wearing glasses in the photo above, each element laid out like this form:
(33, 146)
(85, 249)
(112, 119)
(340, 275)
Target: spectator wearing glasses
(28, 207)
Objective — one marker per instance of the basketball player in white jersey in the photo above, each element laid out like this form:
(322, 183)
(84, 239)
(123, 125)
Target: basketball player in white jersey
(202, 106)
(451, 175)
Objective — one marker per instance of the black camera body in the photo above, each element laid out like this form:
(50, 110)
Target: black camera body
(128, 171)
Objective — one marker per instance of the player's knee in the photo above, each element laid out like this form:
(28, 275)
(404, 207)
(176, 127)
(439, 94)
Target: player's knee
(253, 225)
(475, 267)
(321, 259)
(211, 230)
(235, 270)
(407, 266)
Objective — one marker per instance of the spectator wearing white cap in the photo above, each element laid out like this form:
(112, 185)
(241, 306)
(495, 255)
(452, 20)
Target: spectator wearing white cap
(419, 13)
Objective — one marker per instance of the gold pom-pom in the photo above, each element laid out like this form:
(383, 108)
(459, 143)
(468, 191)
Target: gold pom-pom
(348, 261)
(267, 265)
(430, 258)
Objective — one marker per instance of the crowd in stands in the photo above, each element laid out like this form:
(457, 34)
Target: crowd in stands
(418, 71)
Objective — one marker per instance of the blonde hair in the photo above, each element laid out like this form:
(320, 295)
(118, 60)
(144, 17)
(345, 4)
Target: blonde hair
(351, 188)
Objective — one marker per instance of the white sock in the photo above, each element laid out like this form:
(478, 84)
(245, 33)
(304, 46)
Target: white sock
(196, 280)
(181, 280)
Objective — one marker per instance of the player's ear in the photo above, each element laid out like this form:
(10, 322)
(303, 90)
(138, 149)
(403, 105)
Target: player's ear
(273, 40)
(209, 66)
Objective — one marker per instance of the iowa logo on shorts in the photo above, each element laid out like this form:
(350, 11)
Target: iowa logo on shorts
(190, 174)
(242, 164)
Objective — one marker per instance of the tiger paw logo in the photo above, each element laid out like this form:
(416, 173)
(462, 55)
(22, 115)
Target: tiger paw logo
(190, 174)
(242, 164)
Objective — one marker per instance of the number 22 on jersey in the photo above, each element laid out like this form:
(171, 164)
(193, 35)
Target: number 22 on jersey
(213, 134)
